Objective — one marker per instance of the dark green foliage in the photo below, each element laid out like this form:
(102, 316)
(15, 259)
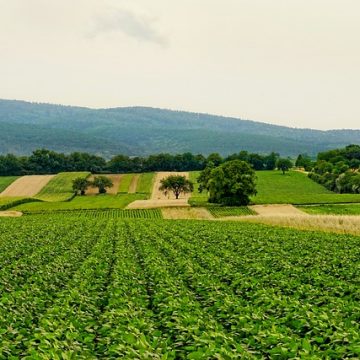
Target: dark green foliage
(80, 184)
(140, 131)
(339, 170)
(284, 164)
(231, 183)
(102, 183)
(176, 184)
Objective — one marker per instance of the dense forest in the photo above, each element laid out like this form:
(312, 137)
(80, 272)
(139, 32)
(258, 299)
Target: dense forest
(45, 161)
(141, 131)
(338, 169)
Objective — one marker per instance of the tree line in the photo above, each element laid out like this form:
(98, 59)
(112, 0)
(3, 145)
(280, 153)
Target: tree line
(338, 170)
(43, 161)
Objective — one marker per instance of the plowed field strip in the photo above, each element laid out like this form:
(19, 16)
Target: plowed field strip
(27, 186)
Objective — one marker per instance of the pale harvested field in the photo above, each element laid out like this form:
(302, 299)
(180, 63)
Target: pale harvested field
(159, 195)
(186, 213)
(276, 210)
(158, 199)
(331, 223)
(10, 213)
(27, 186)
(115, 178)
(133, 184)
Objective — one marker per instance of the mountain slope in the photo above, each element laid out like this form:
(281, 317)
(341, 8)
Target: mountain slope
(141, 131)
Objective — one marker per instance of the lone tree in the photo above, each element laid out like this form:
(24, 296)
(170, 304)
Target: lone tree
(80, 185)
(284, 165)
(231, 183)
(177, 184)
(102, 183)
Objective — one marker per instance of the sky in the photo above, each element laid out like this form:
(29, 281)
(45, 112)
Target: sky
(287, 62)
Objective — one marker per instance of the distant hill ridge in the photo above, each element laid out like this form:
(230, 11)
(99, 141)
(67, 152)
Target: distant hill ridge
(26, 126)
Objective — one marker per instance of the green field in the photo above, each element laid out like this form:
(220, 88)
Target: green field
(59, 188)
(84, 288)
(219, 211)
(84, 202)
(197, 199)
(125, 183)
(145, 184)
(105, 213)
(295, 188)
(5, 181)
(333, 209)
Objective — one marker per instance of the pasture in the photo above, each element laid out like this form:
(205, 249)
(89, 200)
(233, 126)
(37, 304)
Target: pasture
(161, 289)
(5, 181)
(295, 188)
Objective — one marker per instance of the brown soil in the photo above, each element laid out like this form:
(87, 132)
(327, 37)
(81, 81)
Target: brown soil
(133, 184)
(27, 186)
(186, 213)
(153, 204)
(276, 210)
(10, 213)
(115, 178)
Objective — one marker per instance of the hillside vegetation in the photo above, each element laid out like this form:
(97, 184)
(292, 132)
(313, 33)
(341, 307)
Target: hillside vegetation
(142, 131)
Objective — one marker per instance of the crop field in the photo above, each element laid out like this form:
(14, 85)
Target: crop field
(5, 181)
(60, 187)
(175, 290)
(107, 213)
(9, 202)
(84, 202)
(333, 209)
(125, 183)
(145, 183)
(295, 188)
(219, 211)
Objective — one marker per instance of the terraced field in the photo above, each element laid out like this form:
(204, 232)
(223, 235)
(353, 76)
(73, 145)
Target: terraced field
(175, 290)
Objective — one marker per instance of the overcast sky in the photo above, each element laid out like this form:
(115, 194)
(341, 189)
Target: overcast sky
(289, 62)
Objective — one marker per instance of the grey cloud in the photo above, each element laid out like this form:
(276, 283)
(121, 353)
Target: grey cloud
(130, 24)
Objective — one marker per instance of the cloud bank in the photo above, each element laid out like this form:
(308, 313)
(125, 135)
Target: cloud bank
(130, 24)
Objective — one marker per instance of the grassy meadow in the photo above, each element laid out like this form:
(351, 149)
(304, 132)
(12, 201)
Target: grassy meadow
(332, 209)
(145, 184)
(5, 181)
(60, 187)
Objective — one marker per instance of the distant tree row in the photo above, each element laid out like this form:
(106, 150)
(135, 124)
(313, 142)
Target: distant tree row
(44, 161)
(338, 170)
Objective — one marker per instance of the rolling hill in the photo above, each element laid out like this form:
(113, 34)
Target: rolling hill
(27, 126)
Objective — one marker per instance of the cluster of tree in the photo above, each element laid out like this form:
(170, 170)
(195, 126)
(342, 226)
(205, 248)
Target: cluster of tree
(80, 184)
(231, 183)
(44, 161)
(339, 169)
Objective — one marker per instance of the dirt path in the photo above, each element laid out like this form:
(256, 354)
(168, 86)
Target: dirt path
(276, 210)
(27, 186)
(158, 199)
(10, 213)
(115, 178)
(133, 185)
(187, 213)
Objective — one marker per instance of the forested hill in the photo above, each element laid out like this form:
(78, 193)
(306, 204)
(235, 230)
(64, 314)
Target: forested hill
(142, 131)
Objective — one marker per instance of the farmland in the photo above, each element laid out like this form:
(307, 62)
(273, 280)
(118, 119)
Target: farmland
(219, 211)
(187, 289)
(5, 181)
(84, 202)
(333, 209)
(59, 188)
